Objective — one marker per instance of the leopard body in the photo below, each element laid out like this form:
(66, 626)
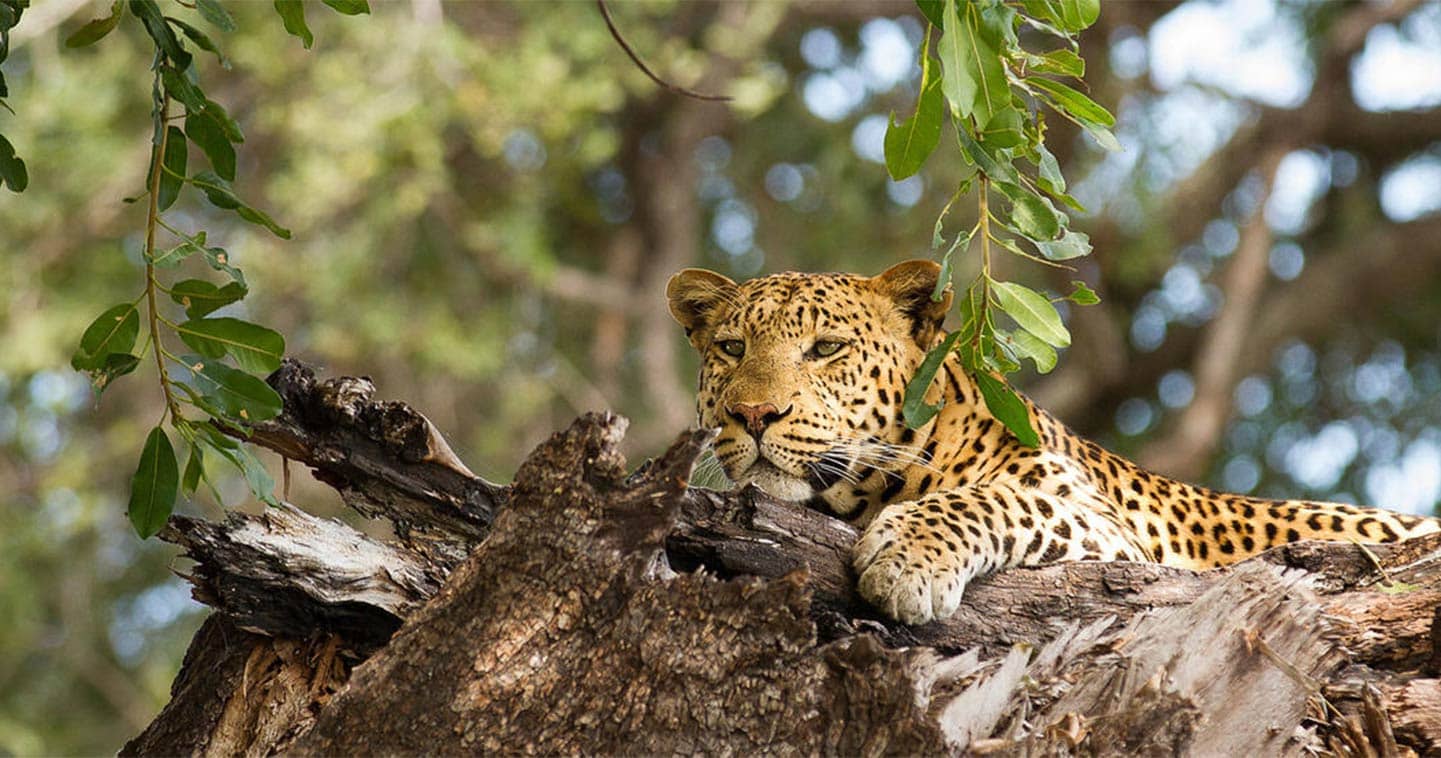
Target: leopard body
(804, 375)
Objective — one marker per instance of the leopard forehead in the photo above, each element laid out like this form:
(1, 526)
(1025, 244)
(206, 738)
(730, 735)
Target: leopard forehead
(791, 304)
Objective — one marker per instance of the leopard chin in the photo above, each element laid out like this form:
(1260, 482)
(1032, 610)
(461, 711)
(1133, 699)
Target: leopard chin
(777, 483)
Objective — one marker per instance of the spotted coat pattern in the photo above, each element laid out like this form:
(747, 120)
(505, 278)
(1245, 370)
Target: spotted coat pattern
(804, 375)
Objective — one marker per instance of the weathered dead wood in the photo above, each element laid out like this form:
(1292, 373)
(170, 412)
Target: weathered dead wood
(567, 629)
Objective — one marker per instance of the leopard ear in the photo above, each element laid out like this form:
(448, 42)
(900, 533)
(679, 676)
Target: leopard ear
(694, 294)
(910, 285)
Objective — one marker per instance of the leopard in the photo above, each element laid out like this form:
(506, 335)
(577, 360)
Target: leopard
(804, 377)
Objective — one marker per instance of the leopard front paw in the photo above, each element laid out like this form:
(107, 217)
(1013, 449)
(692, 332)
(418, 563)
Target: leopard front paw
(910, 575)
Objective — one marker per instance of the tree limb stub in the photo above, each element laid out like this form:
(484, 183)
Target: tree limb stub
(596, 611)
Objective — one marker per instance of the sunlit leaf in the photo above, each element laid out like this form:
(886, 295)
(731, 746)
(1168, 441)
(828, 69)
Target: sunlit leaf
(1083, 295)
(254, 347)
(114, 331)
(1072, 244)
(1008, 408)
(975, 79)
(1032, 312)
(1005, 129)
(932, 10)
(1059, 62)
(908, 143)
(1030, 346)
(1073, 102)
(1032, 215)
(152, 489)
(1050, 169)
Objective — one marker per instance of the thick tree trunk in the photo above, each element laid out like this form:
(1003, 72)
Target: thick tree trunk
(585, 609)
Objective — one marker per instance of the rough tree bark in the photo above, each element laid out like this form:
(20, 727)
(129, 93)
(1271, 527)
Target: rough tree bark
(585, 609)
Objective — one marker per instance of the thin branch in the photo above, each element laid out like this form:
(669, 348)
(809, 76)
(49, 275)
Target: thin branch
(663, 84)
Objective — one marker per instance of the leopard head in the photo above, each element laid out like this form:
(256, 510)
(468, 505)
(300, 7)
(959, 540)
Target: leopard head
(804, 374)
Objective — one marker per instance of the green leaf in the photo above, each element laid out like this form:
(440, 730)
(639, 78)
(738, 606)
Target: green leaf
(1032, 311)
(349, 7)
(206, 133)
(944, 280)
(1069, 15)
(261, 218)
(292, 14)
(96, 30)
(933, 10)
(1027, 345)
(1050, 170)
(200, 297)
(165, 40)
(236, 394)
(12, 169)
(179, 86)
(914, 408)
(1102, 136)
(1008, 408)
(1083, 295)
(201, 39)
(194, 469)
(227, 124)
(910, 142)
(1033, 216)
(256, 477)
(215, 13)
(975, 79)
(221, 195)
(1059, 62)
(114, 366)
(152, 489)
(173, 177)
(255, 348)
(114, 331)
(1070, 245)
(1081, 13)
(997, 168)
(1005, 129)
(1073, 102)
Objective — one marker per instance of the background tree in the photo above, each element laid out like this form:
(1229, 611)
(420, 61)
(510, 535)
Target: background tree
(485, 203)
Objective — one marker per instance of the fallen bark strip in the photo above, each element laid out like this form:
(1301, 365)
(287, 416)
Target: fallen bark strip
(582, 558)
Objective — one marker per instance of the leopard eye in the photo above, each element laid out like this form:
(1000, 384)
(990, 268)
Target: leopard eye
(825, 348)
(733, 348)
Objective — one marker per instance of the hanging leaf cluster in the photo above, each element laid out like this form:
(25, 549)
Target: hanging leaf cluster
(998, 95)
(213, 385)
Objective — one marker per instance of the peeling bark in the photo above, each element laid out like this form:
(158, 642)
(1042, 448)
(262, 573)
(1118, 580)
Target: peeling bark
(587, 610)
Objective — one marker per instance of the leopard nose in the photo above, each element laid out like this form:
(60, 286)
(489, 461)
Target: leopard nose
(757, 417)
